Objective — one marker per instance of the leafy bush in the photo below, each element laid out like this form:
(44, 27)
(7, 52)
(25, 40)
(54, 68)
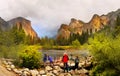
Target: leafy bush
(30, 58)
(76, 44)
(106, 50)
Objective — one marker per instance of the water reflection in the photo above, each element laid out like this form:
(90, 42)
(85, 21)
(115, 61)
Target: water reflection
(59, 53)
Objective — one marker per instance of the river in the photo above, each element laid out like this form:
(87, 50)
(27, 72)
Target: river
(59, 53)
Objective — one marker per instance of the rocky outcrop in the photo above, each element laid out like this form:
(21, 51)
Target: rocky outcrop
(95, 24)
(112, 17)
(24, 24)
(3, 24)
(64, 31)
(78, 27)
(20, 23)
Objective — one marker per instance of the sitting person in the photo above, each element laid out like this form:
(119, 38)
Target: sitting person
(45, 58)
(50, 60)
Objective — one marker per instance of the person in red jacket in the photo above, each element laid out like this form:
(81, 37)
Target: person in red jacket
(65, 61)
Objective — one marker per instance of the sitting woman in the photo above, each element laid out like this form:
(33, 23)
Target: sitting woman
(50, 60)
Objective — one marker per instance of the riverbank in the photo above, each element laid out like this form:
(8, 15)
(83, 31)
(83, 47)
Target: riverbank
(57, 70)
(70, 47)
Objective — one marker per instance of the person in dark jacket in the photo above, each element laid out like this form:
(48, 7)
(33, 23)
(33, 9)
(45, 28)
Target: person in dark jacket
(45, 58)
(65, 61)
(76, 62)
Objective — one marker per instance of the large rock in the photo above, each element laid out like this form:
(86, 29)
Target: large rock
(12, 66)
(48, 68)
(42, 72)
(55, 72)
(50, 74)
(71, 64)
(17, 71)
(83, 71)
(68, 74)
(34, 72)
(10, 63)
(61, 74)
(9, 69)
(5, 62)
(26, 69)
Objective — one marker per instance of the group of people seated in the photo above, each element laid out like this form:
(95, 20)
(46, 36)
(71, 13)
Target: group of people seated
(64, 59)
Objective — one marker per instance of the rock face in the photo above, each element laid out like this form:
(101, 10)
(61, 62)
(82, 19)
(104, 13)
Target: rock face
(3, 24)
(20, 23)
(95, 24)
(113, 16)
(24, 24)
(78, 27)
(64, 31)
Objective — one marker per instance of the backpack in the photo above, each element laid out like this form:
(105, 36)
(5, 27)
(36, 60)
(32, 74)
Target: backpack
(77, 60)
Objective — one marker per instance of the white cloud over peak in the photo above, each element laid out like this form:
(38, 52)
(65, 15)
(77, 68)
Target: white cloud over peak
(47, 15)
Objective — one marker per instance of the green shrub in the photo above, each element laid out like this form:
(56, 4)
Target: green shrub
(106, 51)
(76, 44)
(30, 58)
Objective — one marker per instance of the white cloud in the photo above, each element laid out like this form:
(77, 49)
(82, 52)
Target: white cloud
(47, 15)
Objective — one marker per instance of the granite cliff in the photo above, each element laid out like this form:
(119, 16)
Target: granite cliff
(78, 27)
(20, 23)
(95, 24)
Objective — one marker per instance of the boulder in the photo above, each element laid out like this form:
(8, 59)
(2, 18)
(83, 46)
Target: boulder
(26, 69)
(82, 71)
(17, 71)
(4, 62)
(8, 68)
(56, 67)
(43, 75)
(12, 66)
(50, 74)
(71, 64)
(61, 64)
(10, 63)
(55, 72)
(48, 68)
(34, 72)
(42, 72)
(61, 74)
(25, 73)
(68, 74)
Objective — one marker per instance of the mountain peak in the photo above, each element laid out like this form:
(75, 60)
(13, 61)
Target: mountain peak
(25, 24)
(78, 27)
(3, 24)
(20, 23)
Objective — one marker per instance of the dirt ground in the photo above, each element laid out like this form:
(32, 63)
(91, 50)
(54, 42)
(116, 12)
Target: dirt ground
(5, 72)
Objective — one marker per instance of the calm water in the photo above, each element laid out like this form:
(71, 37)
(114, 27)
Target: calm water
(59, 53)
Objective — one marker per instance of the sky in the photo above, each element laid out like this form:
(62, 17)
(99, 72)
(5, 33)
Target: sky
(46, 16)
